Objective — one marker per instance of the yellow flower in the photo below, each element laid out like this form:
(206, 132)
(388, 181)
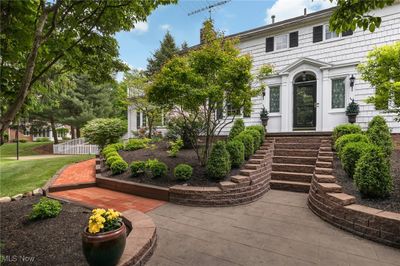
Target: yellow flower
(111, 214)
(99, 211)
(96, 223)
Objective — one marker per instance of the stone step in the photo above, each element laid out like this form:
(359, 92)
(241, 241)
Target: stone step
(296, 146)
(298, 152)
(290, 186)
(325, 158)
(224, 185)
(297, 140)
(323, 164)
(323, 171)
(342, 198)
(256, 161)
(294, 160)
(326, 149)
(258, 156)
(297, 168)
(240, 179)
(251, 166)
(289, 176)
(325, 153)
(330, 187)
(325, 178)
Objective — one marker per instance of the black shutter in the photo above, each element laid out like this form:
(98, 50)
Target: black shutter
(347, 33)
(269, 44)
(317, 33)
(294, 39)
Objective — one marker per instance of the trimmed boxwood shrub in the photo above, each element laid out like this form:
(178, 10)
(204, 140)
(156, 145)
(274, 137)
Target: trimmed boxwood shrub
(112, 159)
(137, 167)
(248, 142)
(345, 139)
(236, 152)
(136, 144)
(112, 147)
(260, 129)
(45, 208)
(183, 171)
(372, 175)
(237, 128)
(110, 154)
(219, 164)
(350, 154)
(119, 166)
(156, 168)
(256, 138)
(344, 130)
(379, 134)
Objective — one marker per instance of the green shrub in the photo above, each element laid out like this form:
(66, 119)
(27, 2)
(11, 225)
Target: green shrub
(248, 143)
(175, 147)
(237, 128)
(137, 167)
(345, 139)
(256, 138)
(344, 130)
(42, 140)
(112, 147)
(156, 168)
(46, 208)
(183, 171)
(103, 131)
(236, 152)
(260, 129)
(350, 154)
(136, 144)
(372, 175)
(23, 141)
(112, 159)
(111, 153)
(379, 134)
(118, 166)
(218, 165)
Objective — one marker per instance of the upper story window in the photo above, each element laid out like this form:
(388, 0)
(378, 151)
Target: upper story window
(283, 41)
(322, 32)
(329, 34)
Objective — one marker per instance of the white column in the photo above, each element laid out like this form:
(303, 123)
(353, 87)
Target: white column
(286, 107)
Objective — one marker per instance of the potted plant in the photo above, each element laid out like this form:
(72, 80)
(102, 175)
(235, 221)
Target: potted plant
(352, 111)
(264, 116)
(103, 240)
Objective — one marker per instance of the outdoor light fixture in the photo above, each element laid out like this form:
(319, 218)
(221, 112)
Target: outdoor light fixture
(352, 79)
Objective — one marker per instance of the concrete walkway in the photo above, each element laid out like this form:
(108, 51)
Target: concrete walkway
(278, 229)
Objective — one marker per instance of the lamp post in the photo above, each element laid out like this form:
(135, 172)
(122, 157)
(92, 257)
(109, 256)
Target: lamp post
(17, 139)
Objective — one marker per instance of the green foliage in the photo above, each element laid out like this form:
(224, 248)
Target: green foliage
(111, 159)
(264, 113)
(345, 129)
(238, 126)
(183, 171)
(45, 208)
(219, 164)
(156, 168)
(103, 131)
(118, 166)
(136, 144)
(260, 129)
(353, 108)
(186, 129)
(265, 71)
(115, 147)
(382, 71)
(111, 153)
(236, 152)
(175, 147)
(256, 138)
(372, 175)
(42, 140)
(137, 167)
(379, 134)
(349, 15)
(350, 155)
(349, 138)
(248, 142)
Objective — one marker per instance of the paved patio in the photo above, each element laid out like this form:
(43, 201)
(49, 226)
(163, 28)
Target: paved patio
(279, 229)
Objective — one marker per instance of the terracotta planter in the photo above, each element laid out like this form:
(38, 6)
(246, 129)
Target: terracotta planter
(352, 118)
(104, 248)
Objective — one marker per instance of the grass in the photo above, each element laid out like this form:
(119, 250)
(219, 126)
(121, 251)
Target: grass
(25, 149)
(23, 176)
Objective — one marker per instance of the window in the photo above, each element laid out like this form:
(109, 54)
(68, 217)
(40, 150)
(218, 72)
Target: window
(230, 111)
(281, 42)
(269, 44)
(274, 99)
(294, 39)
(329, 34)
(338, 93)
(137, 119)
(317, 34)
(144, 120)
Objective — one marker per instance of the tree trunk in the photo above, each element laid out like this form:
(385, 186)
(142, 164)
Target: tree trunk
(54, 130)
(78, 132)
(72, 132)
(24, 87)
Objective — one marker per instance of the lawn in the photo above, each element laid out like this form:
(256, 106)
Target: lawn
(22, 176)
(25, 149)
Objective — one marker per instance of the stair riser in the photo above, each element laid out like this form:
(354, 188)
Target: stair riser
(293, 146)
(299, 153)
(286, 177)
(324, 164)
(293, 160)
(293, 168)
(324, 171)
(290, 187)
(298, 140)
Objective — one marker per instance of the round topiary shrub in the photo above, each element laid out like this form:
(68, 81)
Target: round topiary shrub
(112, 159)
(379, 134)
(103, 131)
(156, 168)
(183, 171)
(218, 165)
(46, 208)
(344, 130)
(256, 138)
(345, 139)
(260, 129)
(237, 128)
(110, 154)
(137, 167)
(350, 154)
(372, 175)
(248, 142)
(236, 152)
(118, 167)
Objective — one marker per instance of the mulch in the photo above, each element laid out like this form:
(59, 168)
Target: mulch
(44, 149)
(389, 204)
(187, 156)
(54, 241)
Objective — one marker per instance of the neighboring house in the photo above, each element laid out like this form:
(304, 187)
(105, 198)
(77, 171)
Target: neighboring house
(32, 134)
(311, 85)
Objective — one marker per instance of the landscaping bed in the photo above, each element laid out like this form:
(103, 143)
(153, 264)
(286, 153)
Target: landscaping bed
(53, 241)
(389, 204)
(159, 151)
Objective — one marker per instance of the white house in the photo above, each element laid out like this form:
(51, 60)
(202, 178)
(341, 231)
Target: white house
(311, 85)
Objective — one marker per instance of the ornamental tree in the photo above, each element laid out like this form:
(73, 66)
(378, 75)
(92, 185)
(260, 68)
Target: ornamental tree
(104, 131)
(203, 85)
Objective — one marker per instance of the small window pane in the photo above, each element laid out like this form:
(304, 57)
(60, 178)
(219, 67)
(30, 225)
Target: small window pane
(137, 119)
(232, 111)
(281, 42)
(144, 120)
(338, 93)
(329, 34)
(274, 99)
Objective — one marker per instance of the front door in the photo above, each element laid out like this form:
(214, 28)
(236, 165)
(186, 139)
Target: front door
(304, 109)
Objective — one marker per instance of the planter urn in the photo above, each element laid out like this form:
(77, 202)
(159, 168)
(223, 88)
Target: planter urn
(104, 248)
(264, 121)
(352, 118)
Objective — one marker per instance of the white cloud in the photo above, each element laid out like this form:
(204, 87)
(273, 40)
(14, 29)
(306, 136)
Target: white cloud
(284, 9)
(166, 27)
(141, 27)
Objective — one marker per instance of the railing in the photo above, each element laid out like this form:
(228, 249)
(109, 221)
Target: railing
(75, 146)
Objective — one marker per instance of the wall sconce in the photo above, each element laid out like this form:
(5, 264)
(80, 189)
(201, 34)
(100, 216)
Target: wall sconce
(263, 94)
(352, 79)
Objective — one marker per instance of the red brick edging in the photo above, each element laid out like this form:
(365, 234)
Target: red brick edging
(340, 209)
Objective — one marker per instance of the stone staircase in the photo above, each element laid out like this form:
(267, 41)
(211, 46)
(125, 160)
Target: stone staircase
(294, 161)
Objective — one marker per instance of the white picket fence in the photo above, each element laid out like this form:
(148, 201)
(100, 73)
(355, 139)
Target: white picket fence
(75, 146)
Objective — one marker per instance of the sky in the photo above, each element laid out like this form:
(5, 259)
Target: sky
(235, 16)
